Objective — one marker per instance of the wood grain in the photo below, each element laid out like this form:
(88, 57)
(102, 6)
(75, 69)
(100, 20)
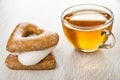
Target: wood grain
(71, 64)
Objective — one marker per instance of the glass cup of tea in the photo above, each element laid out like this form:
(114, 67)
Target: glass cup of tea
(88, 27)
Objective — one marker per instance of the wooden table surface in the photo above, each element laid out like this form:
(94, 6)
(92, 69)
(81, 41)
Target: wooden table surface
(71, 64)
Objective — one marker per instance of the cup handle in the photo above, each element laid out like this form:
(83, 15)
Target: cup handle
(110, 42)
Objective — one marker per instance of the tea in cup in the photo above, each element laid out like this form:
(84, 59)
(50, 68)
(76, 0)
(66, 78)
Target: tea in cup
(88, 27)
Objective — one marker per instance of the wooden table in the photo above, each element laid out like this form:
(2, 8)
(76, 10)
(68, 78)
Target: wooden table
(71, 64)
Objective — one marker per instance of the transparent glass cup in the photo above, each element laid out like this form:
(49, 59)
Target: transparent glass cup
(88, 27)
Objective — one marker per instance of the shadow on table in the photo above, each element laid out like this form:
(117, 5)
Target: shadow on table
(89, 61)
(80, 65)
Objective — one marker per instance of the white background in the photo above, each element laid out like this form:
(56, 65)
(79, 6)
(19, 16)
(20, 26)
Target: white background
(71, 65)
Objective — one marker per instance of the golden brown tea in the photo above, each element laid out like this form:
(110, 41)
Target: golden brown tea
(83, 28)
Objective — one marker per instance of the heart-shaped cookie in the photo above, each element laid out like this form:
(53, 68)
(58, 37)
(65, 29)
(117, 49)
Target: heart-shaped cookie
(28, 37)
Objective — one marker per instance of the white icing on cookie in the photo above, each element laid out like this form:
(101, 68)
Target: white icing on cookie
(18, 33)
(33, 57)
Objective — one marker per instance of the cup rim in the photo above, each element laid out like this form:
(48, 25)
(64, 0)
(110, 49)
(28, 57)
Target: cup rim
(86, 28)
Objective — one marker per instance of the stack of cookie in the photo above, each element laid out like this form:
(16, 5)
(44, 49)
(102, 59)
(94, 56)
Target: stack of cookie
(31, 48)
